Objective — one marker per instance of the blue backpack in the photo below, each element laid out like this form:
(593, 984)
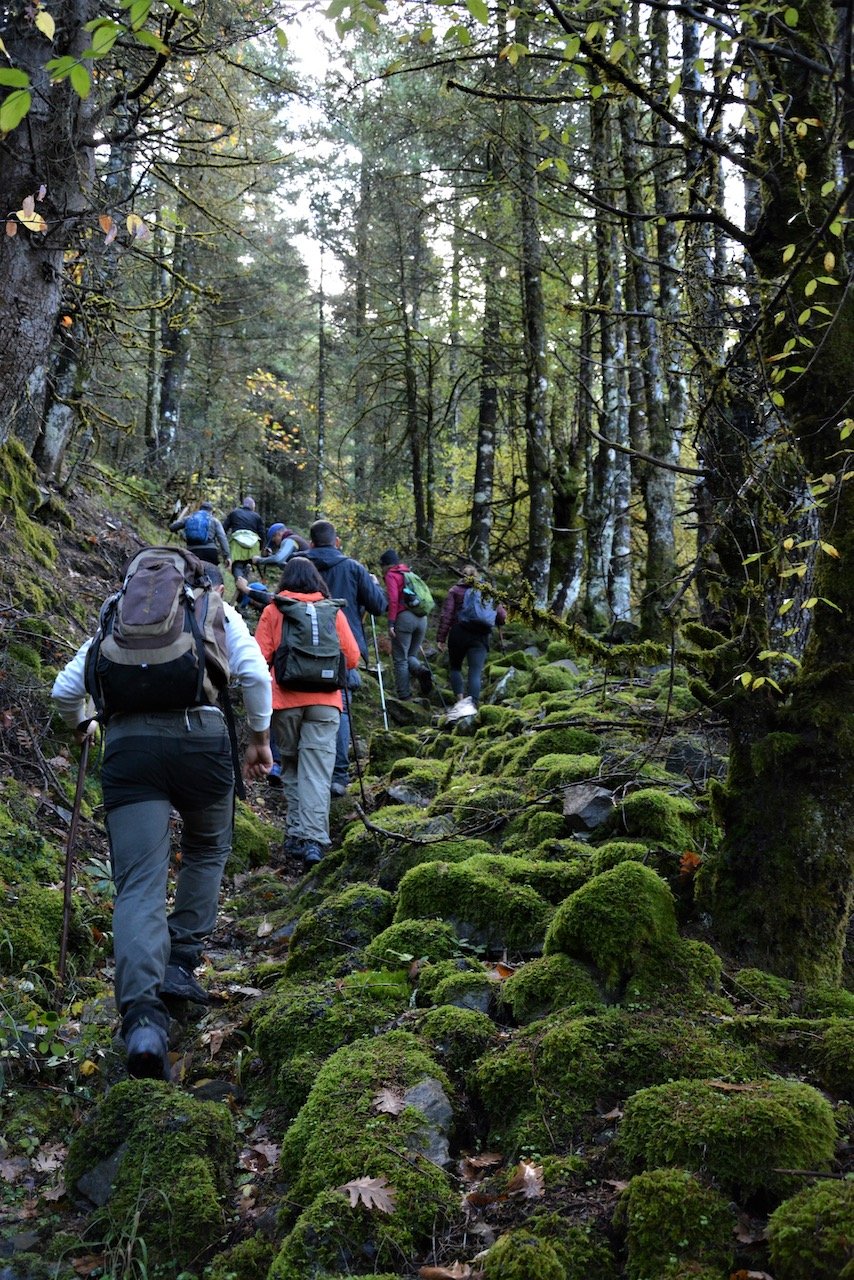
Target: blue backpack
(475, 609)
(198, 528)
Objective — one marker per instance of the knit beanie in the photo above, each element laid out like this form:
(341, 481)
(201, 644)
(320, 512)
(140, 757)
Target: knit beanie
(388, 558)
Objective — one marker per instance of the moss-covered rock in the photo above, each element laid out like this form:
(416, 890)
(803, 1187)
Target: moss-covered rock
(427, 777)
(334, 934)
(485, 899)
(613, 852)
(764, 991)
(31, 926)
(432, 976)
(174, 1157)
(740, 1138)
(820, 1049)
(827, 1002)
(457, 1036)
(615, 921)
(388, 745)
(248, 1260)
(547, 984)
(548, 678)
(559, 770)
(686, 976)
(340, 1135)
(531, 828)
(302, 1024)
(547, 1236)
(811, 1236)
(672, 821)
(251, 841)
(668, 1217)
(556, 737)
(472, 989)
(520, 1255)
(556, 1072)
(408, 940)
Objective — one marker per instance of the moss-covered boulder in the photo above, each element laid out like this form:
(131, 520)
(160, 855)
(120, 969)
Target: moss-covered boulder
(548, 984)
(408, 940)
(811, 1236)
(763, 992)
(486, 900)
(456, 1036)
(556, 1072)
(388, 745)
(426, 777)
(31, 926)
(671, 820)
(550, 678)
(822, 1050)
(531, 828)
(303, 1023)
(332, 936)
(742, 1138)
(521, 1255)
(613, 852)
(252, 840)
(615, 922)
(171, 1160)
(546, 1240)
(472, 989)
(669, 1217)
(339, 1135)
(248, 1260)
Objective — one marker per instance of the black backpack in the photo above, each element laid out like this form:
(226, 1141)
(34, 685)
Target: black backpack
(309, 657)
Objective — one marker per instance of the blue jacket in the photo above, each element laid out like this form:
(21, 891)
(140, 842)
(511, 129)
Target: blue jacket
(350, 581)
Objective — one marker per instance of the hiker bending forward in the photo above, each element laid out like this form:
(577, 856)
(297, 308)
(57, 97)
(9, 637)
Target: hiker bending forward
(155, 761)
(305, 724)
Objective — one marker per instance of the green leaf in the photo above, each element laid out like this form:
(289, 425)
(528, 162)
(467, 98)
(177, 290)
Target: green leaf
(570, 49)
(827, 187)
(14, 78)
(479, 10)
(104, 36)
(60, 68)
(281, 38)
(81, 81)
(810, 288)
(139, 11)
(674, 87)
(788, 253)
(836, 228)
(786, 606)
(178, 7)
(746, 679)
(811, 603)
(151, 41)
(618, 48)
(336, 8)
(790, 17)
(14, 108)
(773, 684)
(805, 315)
(778, 399)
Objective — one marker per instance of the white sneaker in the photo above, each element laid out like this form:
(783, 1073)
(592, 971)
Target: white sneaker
(464, 707)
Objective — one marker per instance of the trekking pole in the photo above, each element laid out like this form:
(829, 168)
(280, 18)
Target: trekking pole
(433, 678)
(69, 852)
(379, 672)
(356, 757)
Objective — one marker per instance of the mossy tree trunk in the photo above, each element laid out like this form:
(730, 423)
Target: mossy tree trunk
(782, 883)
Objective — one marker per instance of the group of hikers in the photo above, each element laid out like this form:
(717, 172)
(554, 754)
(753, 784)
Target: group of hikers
(155, 674)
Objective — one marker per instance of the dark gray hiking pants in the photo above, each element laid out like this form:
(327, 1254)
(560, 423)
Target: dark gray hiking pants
(153, 764)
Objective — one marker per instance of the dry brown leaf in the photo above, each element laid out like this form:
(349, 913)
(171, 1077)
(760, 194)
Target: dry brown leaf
(501, 971)
(54, 1193)
(268, 1151)
(49, 1158)
(234, 990)
(456, 1271)
(616, 1183)
(89, 1262)
(373, 1193)
(389, 1101)
(746, 1233)
(527, 1181)
(479, 1199)
(616, 1114)
(689, 862)
(215, 1038)
(486, 1160)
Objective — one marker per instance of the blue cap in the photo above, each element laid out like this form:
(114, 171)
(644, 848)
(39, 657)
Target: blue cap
(274, 528)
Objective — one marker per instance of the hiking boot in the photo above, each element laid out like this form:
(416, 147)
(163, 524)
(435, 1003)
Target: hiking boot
(425, 680)
(148, 1052)
(339, 788)
(292, 846)
(274, 775)
(182, 984)
(311, 853)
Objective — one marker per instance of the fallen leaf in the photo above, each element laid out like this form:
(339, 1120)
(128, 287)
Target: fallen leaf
(49, 1158)
(389, 1102)
(616, 1114)
(726, 1087)
(486, 1160)
(89, 1262)
(105, 222)
(268, 1151)
(234, 990)
(501, 971)
(479, 1199)
(456, 1271)
(373, 1193)
(42, 192)
(527, 1181)
(689, 862)
(746, 1232)
(214, 1039)
(616, 1183)
(264, 929)
(54, 1193)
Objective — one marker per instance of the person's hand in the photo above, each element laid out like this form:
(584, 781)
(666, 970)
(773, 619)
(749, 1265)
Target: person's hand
(256, 560)
(440, 645)
(87, 729)
(242, 584)
(391, 632)
(257, 760)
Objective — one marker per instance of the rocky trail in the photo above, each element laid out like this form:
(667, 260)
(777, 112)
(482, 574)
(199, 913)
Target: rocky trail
(488, 1036)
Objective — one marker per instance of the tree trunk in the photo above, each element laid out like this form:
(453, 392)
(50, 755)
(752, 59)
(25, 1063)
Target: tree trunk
(51, 149)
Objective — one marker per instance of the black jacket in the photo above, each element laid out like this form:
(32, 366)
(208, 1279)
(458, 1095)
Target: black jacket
(243, 518)
(350, 581)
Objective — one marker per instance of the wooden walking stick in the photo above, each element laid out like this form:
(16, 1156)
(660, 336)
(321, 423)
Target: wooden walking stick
(69, 852)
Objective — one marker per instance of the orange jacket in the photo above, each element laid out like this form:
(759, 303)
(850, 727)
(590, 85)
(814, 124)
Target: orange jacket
(269, 634)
